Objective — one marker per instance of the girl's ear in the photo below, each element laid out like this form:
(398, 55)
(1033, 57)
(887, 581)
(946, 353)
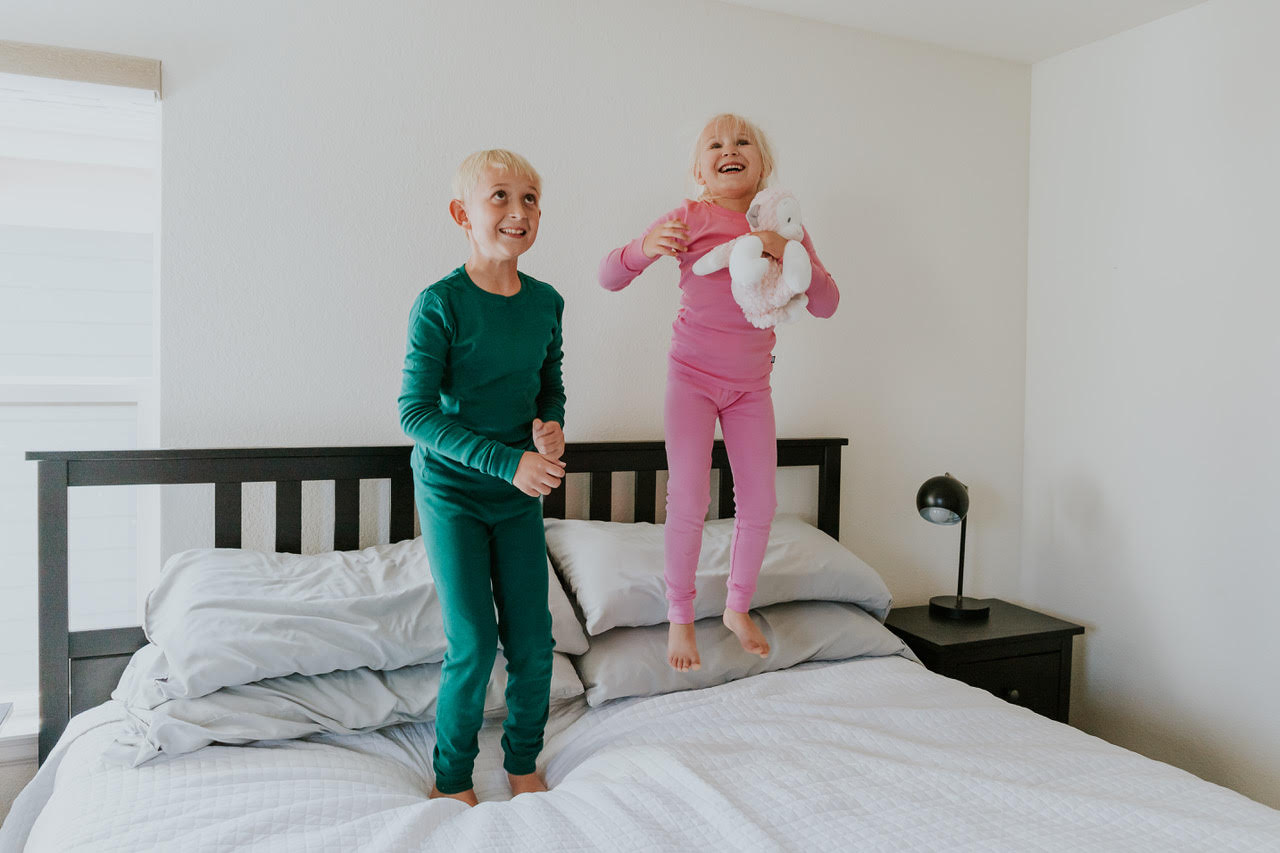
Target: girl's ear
(459, 213)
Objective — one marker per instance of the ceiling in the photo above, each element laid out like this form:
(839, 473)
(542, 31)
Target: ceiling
(1019, 30)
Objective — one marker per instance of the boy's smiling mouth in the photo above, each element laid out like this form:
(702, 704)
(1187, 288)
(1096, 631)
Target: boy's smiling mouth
(512, 231)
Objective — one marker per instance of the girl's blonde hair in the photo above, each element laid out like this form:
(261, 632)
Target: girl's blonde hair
(473, 167)
(740, 124)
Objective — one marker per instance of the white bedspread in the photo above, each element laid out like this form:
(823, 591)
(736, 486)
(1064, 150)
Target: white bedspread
(874, 754)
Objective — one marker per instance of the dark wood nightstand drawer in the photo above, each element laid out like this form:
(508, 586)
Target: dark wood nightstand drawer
(1018, 654)
(1028, 680)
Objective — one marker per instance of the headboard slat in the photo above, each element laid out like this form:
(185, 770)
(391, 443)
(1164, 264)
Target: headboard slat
(553, 504)
(725, 504)
(646, 496)
(601, 496)
(226, 515)
(105, 642)
(402, 508)
(346, 514)
(289, 516)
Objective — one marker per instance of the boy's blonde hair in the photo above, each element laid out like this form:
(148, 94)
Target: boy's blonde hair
(473, 167)
(740, 124)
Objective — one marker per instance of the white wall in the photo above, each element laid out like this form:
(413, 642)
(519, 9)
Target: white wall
(308, 151)
(1153, 402)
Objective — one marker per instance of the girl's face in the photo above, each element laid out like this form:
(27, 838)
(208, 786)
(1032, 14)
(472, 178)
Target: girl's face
(501, 214)
(729, 162)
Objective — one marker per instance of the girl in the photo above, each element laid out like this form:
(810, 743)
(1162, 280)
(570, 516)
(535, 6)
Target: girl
(718, 368)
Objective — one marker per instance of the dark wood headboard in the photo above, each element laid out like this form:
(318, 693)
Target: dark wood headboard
(79, 669)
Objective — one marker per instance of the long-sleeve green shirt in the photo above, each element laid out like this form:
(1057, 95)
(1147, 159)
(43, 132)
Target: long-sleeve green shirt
(479, 367)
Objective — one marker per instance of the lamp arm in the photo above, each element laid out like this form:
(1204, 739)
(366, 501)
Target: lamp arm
(964, 527)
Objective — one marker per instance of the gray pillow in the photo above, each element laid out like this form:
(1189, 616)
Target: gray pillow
(614, 570)
(633, 661)
(293, 706)
(228, 616)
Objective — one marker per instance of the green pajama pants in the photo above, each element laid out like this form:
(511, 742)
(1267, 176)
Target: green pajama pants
(486, 547)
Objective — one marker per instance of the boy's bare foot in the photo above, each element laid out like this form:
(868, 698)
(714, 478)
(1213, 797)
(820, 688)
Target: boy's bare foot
(682, 648)
(468, 796)
(526, 783)
(747, 632)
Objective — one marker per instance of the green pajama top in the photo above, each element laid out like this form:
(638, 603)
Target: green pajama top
(479, 368)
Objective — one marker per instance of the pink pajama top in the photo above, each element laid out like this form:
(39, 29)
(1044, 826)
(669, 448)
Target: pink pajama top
(712, 340)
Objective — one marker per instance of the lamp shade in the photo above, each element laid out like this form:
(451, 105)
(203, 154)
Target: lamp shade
(943, 500)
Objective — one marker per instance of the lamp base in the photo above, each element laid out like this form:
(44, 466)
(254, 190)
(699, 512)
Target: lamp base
(959, 607)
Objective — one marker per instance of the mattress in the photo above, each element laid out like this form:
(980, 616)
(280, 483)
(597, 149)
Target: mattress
(877, 754)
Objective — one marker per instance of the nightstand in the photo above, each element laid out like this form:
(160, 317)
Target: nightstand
(1022, 656)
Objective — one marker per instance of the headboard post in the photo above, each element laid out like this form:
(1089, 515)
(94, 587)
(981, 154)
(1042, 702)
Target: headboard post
(55, 687)
(829, 491)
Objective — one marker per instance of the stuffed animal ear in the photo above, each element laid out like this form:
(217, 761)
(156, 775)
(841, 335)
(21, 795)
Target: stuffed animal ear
(753, 217)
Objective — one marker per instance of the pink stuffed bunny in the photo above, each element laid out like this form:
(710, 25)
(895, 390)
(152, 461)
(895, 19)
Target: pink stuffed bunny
(768, 291)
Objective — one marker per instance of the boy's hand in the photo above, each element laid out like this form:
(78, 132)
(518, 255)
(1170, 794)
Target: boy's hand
(774, 243)
(669, 238)
(538, 474)
(548, 438)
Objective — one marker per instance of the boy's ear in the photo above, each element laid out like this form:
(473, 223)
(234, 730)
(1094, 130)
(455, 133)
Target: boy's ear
(459, 214)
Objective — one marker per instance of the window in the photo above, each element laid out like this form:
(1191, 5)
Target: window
(79, 212)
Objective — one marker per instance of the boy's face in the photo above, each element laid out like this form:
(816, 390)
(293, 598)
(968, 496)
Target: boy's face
(500, 214)
(729, 163)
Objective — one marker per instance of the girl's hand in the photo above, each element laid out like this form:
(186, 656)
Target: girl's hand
(538, 474)
(669, 238)
(774, 243)
(548, 438)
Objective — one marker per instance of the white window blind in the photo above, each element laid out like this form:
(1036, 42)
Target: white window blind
(79, 206)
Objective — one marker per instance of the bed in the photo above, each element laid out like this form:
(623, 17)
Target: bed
(855, 747)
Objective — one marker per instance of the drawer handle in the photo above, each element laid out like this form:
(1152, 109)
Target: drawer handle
(1013, 695)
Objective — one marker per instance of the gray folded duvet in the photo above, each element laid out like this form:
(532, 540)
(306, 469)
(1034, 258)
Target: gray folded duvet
(291, 706)
(225, 617)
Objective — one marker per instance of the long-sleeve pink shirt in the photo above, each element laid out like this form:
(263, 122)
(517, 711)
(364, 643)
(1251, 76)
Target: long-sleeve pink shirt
(711, 339)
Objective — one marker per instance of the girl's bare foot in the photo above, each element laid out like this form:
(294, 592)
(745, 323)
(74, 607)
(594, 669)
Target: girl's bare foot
(747, 632)
(682, 648)
(468, 796)
(526, 783)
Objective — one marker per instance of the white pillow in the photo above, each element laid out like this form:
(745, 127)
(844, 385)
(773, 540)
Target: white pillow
(633, 661)
(614, 570)
(227, 616)
(292, 706)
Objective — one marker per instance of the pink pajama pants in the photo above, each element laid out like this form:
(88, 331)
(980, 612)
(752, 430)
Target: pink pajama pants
(750, 437)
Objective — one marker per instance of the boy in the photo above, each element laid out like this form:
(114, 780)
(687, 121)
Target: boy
(483, 401)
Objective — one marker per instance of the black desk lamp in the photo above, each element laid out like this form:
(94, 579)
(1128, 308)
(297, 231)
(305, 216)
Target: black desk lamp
(945, 500)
